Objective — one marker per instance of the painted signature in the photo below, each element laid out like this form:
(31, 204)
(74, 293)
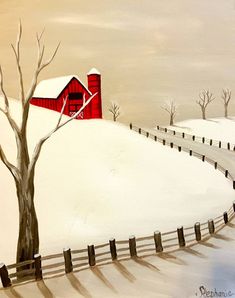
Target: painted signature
(204, 292)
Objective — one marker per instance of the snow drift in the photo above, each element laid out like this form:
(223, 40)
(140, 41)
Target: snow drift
(221, 129)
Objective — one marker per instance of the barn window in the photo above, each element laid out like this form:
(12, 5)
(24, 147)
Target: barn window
(76, 95)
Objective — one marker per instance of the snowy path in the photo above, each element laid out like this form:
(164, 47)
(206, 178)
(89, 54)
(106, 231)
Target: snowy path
(224, 157)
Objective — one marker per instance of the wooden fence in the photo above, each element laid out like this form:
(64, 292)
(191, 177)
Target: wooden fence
(204, 140)
(69, 260)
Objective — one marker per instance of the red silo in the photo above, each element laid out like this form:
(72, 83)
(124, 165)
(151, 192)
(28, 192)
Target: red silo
(94, 85)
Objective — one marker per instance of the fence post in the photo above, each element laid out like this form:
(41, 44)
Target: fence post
(203, 140)
(67, 260)
(197, 229)
(193, 138)
(38, 266)
(203, 157)
(91, 254)
(225, 217)
(6, 282)
(233, 184)
(132, 246)
(182, 134)
(219, 144)
(158, 241)
(165, 129)
(113, 250)
(147, 134)
(155, 138)
(179, 148)
(180, 232)
(172, 145)
(174, 132)
(139, 130)
(233, 148)
(211, 141)
(164, 142)
(130, 125)
(234, 206)
(215, 164)
(158, 127)
(190, 152)
(211, 226)
(226, 173)
(228, 146)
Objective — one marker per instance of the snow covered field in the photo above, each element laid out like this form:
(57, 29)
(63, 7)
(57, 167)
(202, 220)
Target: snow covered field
(96, 180)
(221, 129)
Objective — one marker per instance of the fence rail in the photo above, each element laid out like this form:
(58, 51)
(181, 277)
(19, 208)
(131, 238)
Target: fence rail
(68, 260)
(204, 140)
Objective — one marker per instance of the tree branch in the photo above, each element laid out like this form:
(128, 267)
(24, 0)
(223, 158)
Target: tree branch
(13, 169)
(62, 111)
(3, 91)
(206, 97)
(16, 51)
(40, 67)
(6, 110)
(38, 147)
(40, 49)
(170, 108)
(226, 96)
(115, 110)
(43, 65)
(166, 109)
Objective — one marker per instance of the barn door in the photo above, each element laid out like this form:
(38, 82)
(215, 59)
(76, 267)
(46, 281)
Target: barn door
(75, 104)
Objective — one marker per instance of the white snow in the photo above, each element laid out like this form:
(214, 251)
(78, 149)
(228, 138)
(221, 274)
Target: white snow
(52, 88)
(93, 71)
(221, 129)
(176, 275)
(96, 180)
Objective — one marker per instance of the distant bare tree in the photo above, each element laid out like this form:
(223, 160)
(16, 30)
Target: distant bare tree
(115, 111)
(206, 97)
(170, 108)
(226, 97)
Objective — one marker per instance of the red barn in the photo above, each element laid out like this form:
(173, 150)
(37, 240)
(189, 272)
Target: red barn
(50, 94)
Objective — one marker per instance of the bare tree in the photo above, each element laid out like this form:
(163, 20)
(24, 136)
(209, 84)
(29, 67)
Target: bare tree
(171, 109)
(23, 171)
(226, 97)
(115, 110)
(206, 97)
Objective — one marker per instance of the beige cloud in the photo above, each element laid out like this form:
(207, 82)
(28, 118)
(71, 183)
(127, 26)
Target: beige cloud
(88, 20)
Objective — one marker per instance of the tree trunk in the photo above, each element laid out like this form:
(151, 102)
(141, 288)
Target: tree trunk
(171, 120)
(204, 113)
(225, 111)
(114, 118)
(28, 240)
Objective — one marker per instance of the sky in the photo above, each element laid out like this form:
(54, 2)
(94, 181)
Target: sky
(149, 52)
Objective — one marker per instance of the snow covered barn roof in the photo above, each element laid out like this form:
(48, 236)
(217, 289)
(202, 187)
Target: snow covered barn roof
(52, 88)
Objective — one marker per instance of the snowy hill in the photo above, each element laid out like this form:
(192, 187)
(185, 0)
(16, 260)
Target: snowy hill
(221, 129)
(96, 180)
